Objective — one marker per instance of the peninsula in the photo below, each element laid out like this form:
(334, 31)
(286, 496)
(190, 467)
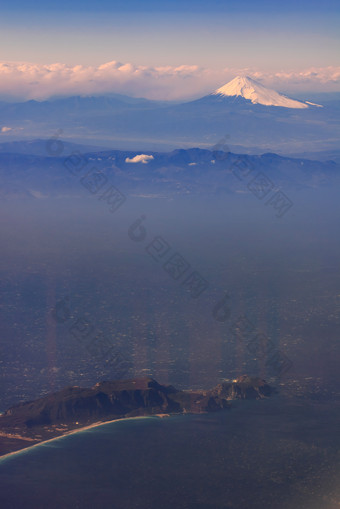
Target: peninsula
(75, 408)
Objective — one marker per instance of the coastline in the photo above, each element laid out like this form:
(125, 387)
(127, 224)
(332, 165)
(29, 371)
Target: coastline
(26, 423)
(79, 430)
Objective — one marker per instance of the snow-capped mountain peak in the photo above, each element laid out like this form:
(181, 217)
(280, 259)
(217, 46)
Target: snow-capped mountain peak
(254, 91)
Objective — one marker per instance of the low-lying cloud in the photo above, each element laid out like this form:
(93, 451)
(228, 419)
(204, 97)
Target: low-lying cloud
(140, 158)
(22, 80)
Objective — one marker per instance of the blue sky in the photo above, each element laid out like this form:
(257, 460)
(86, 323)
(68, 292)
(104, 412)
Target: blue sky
(147, 32)
(259, 35)
(166, 5)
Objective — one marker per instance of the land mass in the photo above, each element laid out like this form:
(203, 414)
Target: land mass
(76, 407)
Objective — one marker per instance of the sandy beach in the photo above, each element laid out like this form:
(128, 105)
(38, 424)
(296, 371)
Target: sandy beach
(79, 430)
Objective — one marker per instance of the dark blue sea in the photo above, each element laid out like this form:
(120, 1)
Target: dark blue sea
(260, 454)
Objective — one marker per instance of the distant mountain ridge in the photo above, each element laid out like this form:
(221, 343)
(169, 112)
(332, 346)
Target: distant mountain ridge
(253, 116)
(193, 171)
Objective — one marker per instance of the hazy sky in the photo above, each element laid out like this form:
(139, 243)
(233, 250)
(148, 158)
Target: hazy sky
(256, 36)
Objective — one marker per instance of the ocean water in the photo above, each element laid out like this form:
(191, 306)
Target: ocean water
(281, 453)
(271, 454)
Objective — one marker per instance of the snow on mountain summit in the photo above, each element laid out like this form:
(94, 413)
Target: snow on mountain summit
(248, 88)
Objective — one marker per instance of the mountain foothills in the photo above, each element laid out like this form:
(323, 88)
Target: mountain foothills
(75, 407)
(31, 172)
(252, 115)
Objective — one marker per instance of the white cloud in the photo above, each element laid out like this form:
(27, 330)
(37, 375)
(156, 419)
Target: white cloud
(6, 129)
(26, 80)
(322, 79)
(140, 158)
